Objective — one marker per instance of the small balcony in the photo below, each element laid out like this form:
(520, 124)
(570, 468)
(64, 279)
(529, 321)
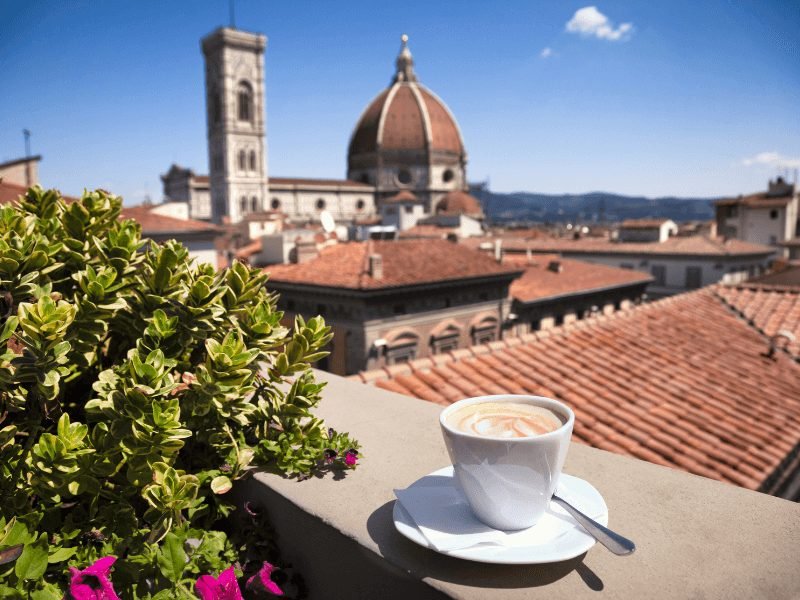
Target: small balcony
(695, 537)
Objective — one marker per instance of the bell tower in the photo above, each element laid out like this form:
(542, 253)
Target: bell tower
(236, 123)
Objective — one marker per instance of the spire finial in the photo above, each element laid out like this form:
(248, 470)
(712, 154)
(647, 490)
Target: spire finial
(405, 62)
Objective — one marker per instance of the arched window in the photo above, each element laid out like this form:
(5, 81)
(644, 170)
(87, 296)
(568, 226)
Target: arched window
(243, 204)
(245, 101)
(242, 160)
(360, 204)
(216, 106)
(276, 204)
(254, 204)
(320, 203)
(401, 346)
(252, 160)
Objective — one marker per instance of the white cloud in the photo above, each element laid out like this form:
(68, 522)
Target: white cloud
(772, 159)
(588, 22)
(546, 53)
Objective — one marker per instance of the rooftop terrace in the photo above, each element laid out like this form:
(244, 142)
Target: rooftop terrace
(696, 538)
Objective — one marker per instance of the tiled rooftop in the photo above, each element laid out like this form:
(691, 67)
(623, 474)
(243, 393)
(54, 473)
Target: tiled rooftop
(770, 308)
(642, 223)
(688, 246)
(405, 262)
(575, 277)
(9, 192)
(760, 199)
(683, 382)
(154, 223)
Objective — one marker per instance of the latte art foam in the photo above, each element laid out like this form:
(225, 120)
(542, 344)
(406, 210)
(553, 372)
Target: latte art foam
(504, 420)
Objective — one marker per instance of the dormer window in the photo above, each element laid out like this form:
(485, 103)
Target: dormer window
(245, 101)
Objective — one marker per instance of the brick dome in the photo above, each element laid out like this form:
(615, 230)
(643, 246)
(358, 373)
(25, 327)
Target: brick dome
(406, 117)
(459, 203)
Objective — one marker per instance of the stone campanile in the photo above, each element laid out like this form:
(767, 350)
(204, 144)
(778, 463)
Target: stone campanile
(237, 150)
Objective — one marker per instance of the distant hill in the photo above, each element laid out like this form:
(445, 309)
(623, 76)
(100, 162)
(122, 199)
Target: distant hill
(591, 207)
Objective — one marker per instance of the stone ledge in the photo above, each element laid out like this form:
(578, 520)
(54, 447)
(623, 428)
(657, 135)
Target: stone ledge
(695, 537)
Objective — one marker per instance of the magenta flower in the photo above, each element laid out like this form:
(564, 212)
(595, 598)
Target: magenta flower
(224, 587)
(92, 583)
(262, 581)
(350, 458)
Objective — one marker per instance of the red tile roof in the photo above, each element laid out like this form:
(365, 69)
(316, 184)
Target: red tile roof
(683, 382)
(697, 245)
(787, 275)
(402, 196)
(405, 263)
(759, 200)
(771, 308)
(642, 223)
(153, 223)
(459, 202)
(575, 277)
(9, 192)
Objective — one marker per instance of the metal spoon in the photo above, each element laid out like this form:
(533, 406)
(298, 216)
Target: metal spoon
(618, 544)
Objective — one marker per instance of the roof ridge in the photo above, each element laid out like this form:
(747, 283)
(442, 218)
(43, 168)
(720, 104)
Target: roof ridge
(750, 322)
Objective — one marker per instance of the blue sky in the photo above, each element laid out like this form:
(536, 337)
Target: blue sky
(655, 98)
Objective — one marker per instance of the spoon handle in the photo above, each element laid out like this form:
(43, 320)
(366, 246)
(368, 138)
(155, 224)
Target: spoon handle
(618, 544)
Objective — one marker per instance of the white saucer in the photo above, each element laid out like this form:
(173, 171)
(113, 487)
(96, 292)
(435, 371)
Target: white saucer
(560, 538)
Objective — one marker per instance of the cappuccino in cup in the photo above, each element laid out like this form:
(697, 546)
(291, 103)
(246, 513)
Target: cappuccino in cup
(504, 420)
(507, 453)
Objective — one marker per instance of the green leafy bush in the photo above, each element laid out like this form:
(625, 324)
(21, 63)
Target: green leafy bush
(135, 387)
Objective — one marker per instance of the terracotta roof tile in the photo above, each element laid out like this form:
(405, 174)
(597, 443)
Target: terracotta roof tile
(684, 382)
(697, 245)
(153, 223)
(9, 192)
(405, 263)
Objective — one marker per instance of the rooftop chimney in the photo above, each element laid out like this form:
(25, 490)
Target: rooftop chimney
(376, 266)
(555, 266)
(498, 250)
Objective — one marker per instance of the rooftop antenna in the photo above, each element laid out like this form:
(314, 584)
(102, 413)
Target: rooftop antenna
(233, 14)
(27, 134)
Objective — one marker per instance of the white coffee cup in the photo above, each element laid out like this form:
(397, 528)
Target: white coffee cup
(508, 482)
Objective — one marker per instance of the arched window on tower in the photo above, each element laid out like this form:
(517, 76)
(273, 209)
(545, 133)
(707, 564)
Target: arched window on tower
(254, 204)
(216, 106)
(245, 101)
(242, 160)
(243, 205)
(252, 160)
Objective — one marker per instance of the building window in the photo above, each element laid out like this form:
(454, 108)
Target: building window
(408, 208)
(216, 107)
(245, 101)
(242, 160)
(445, 343)
(404, 176)
(254, 204)
(447, 176)
(694, 278)
(402, 349)
(559, 320)
(276, 204)
(360, 204)
(243, 205)
(773, 214)
(773, 240)
(659, 273)
(252, 160)
(483, 335)
(320, 204)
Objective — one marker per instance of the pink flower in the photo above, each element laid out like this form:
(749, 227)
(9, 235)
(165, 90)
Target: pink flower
(92, 583)
(224, 587)
(263, 581)
(350, 458)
